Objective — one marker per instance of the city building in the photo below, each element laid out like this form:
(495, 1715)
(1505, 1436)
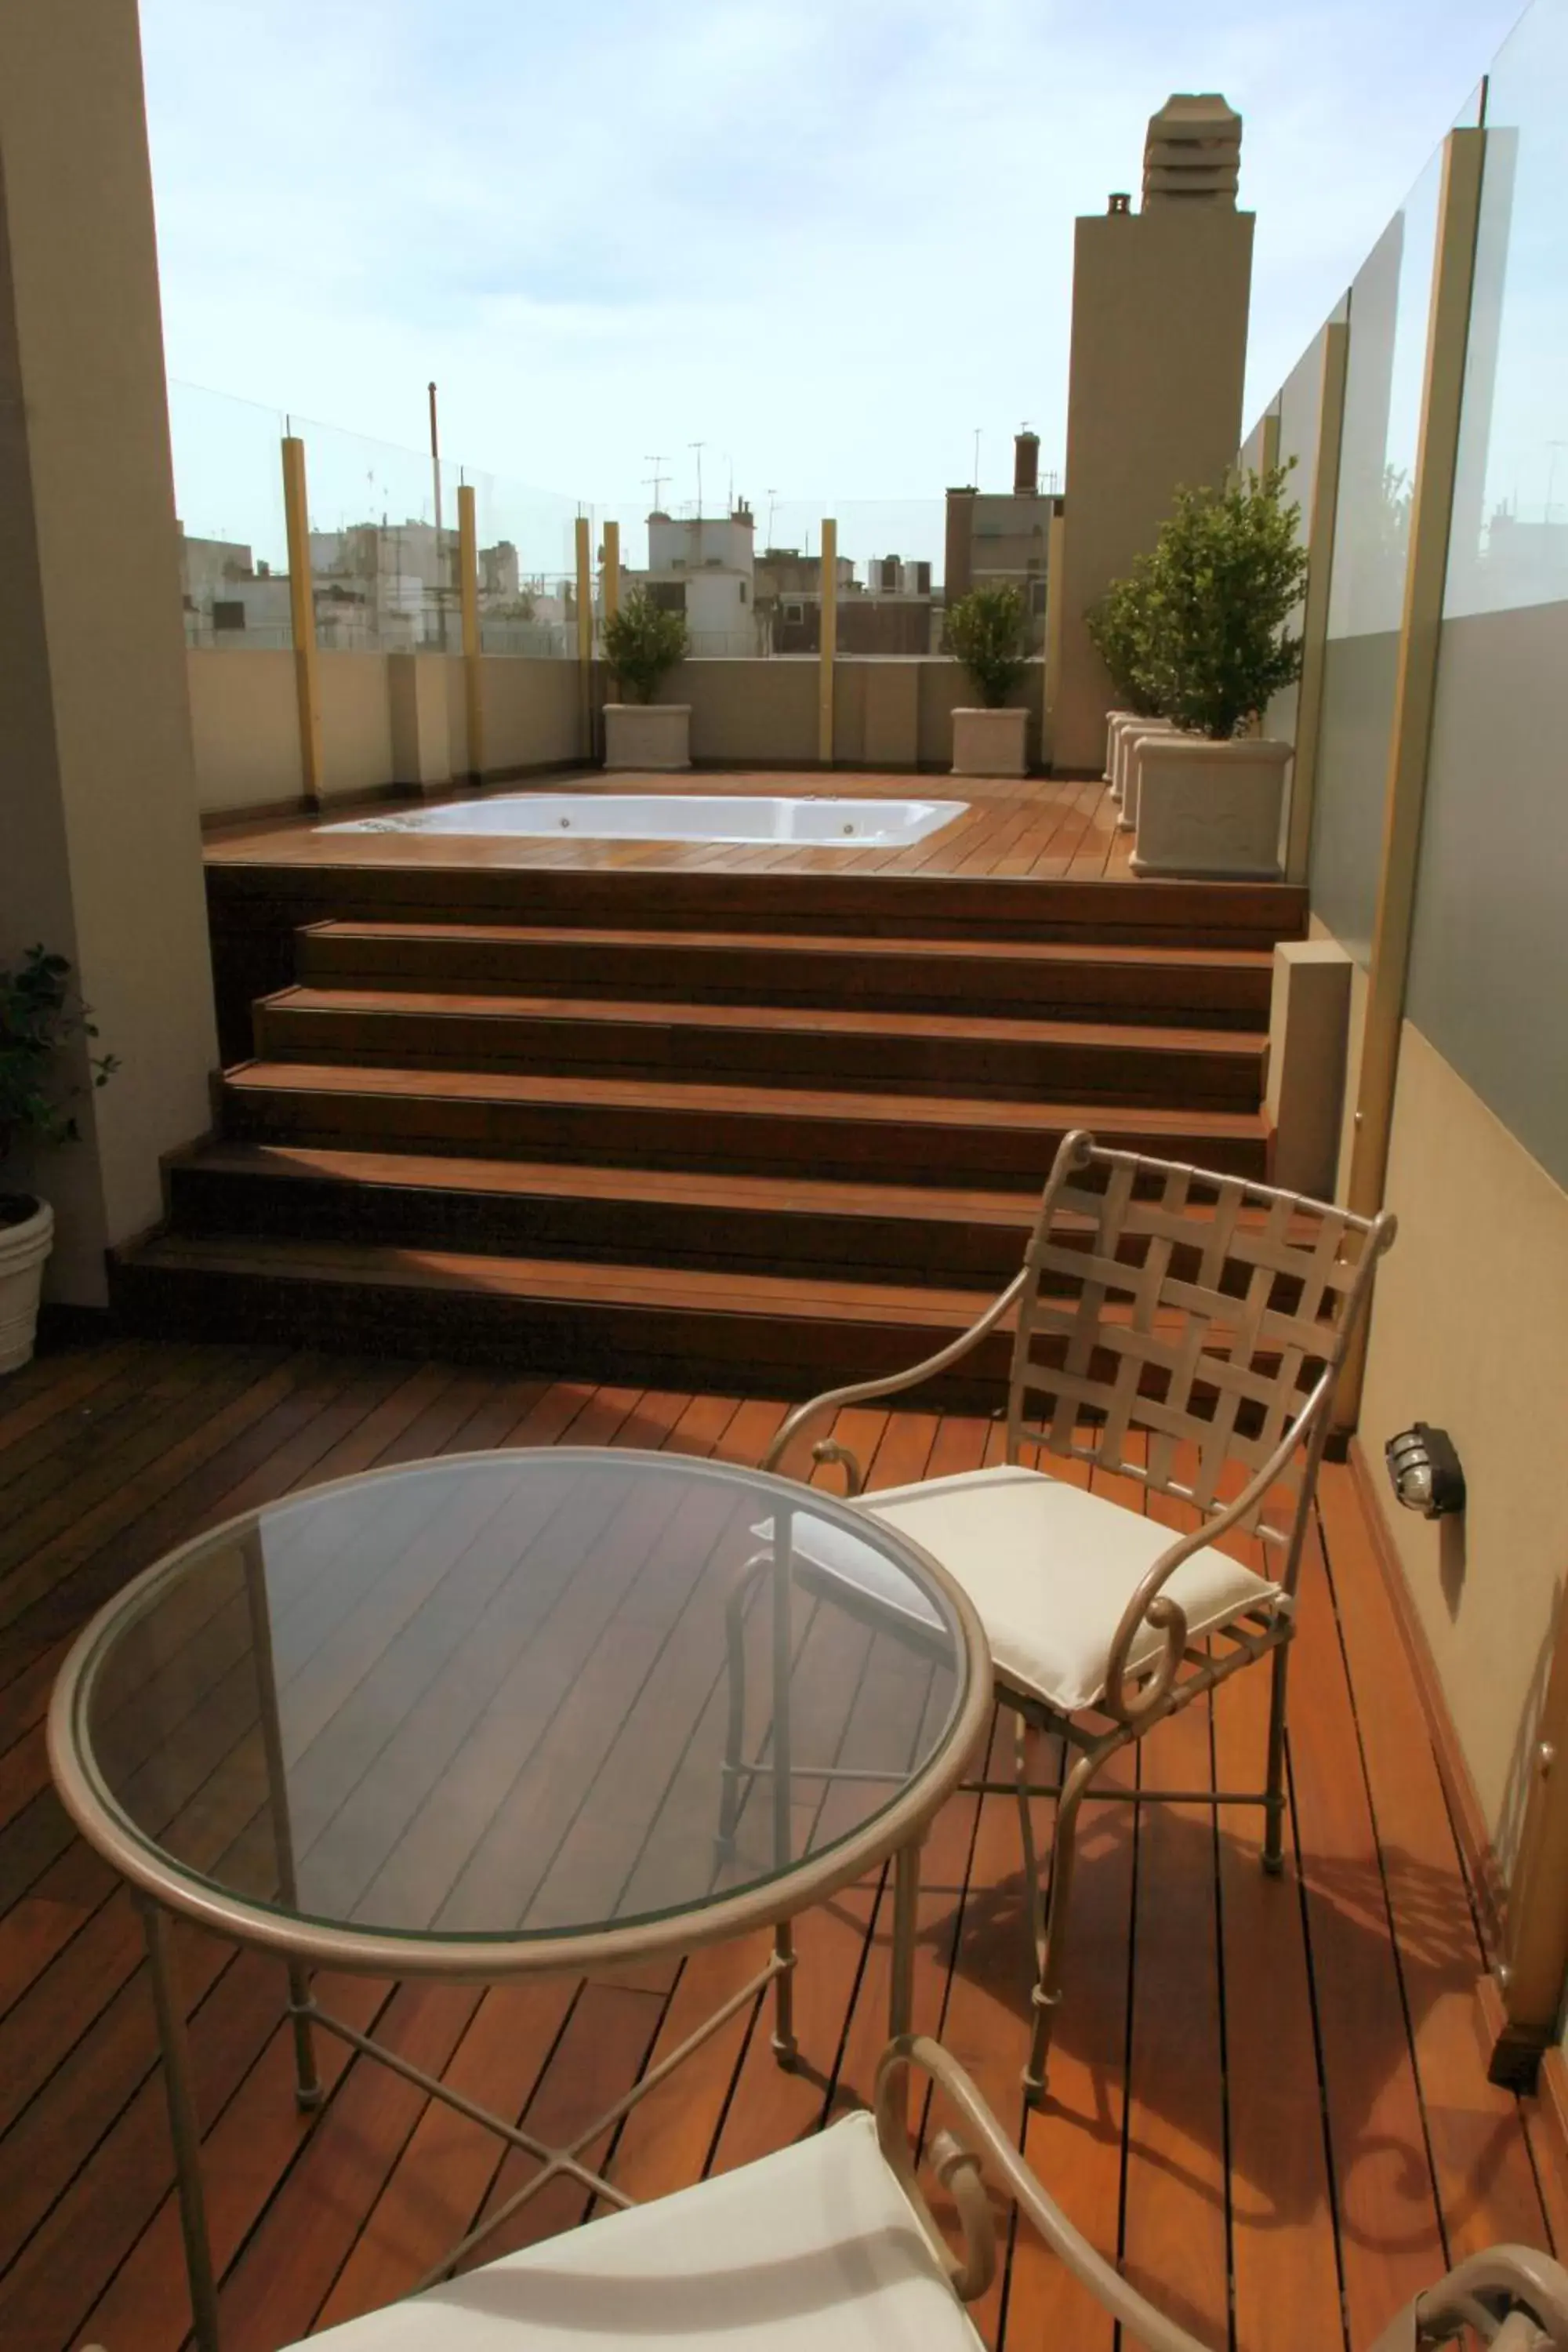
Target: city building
(1002, 537)
(702, 566)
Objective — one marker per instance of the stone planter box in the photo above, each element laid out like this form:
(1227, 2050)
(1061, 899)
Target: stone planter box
(1113, 720)
(654, 737)
(1129, 748)
(990, 742)
(1210, 810)
(23, 1246)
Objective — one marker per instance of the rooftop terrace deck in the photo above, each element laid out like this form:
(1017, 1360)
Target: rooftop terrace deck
(1270, 2098)
(1046, 828)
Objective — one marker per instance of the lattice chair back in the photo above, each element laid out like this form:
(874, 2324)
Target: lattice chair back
(1199, 1321)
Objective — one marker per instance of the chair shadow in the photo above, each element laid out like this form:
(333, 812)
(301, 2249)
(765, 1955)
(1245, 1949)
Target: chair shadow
(1348, 1941)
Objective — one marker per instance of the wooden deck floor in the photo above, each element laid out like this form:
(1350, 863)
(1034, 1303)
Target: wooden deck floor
(1048, 828)
(1270, 2099)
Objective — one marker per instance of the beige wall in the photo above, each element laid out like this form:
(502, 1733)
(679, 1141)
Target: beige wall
(357, 724)
(1355, 1039)
(1159, 350)
(102, 850)
(1470, 1333)
(745, 711)
(245, 719)
(531, 711)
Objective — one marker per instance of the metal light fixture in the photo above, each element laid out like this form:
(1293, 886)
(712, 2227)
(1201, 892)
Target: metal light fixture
(1425, 1470)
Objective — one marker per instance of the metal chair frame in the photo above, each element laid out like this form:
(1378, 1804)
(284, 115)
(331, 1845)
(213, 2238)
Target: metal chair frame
(1183, 1314)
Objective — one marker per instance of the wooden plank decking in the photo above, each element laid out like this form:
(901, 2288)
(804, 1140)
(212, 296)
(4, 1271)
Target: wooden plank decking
(1270, 2100)
(1050, 828)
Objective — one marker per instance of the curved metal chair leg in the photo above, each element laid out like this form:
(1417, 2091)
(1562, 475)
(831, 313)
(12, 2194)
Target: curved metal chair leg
(1032, 1874)
(1274, 1788)
(1048, 1992)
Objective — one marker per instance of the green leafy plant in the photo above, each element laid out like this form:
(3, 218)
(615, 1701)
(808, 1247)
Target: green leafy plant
(1226, 575)
(39, 1015)
(643, 641)
(988, 632)
(1119, 629)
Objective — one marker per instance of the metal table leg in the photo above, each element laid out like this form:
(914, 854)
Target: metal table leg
(184, 2128)
(906, 1906)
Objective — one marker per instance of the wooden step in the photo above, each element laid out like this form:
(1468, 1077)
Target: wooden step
(1212, 988)
(256, 904)
(931, 1053)
(919, 1233)
(672, 1328)
(768, 1131)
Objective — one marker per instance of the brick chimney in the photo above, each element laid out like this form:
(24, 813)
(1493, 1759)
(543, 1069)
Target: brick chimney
(1026, 463)
(1193, 153)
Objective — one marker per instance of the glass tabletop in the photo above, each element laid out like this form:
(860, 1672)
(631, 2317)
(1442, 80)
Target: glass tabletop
(523, 1696)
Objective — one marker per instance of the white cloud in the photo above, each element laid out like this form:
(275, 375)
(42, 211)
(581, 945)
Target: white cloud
(828, 239)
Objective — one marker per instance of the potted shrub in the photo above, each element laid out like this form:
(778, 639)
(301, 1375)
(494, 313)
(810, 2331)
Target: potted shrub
(38, 1017)
(1119, 630)
(643, 641)
(988, 632)
(1224, 577)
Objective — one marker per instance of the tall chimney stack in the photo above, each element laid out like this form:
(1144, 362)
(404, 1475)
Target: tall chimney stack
(1026, 463)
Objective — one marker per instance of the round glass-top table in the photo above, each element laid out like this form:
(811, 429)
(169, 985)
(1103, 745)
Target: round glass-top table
(509, 1711)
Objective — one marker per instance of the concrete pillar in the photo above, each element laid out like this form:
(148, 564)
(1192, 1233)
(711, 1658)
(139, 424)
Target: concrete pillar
(103, 845)
(421, 740)
(1308, 1023)
(1158, 351)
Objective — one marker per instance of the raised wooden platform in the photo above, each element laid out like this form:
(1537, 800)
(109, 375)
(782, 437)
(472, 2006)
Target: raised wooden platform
(1271, 2105)
(689, 1105)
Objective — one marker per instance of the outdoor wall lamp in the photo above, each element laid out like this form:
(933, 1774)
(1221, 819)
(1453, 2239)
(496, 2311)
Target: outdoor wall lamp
(1425, 1470)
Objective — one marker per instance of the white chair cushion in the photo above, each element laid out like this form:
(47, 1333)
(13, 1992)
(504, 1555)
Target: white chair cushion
(1050, 1569)
(813, 2250)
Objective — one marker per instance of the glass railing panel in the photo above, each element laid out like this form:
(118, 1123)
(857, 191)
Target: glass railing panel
(229, 498)
(1389, 305)
(1486, 964)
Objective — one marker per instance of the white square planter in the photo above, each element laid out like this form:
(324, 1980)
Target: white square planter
(23, 1246)
(990, 742)
(654, 737)
(1210, 809)
(1113, 720)
(1129, 745)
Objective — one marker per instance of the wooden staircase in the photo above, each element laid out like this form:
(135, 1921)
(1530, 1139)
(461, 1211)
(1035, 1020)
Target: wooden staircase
(690, 1131)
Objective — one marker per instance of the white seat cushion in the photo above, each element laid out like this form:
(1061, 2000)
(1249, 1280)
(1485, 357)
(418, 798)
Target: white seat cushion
(814, 2250)
(1050, 1569)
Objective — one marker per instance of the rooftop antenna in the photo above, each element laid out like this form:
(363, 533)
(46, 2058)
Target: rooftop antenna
(730, 461)
(772, 497)
(977, 456)
(698, 446)
(658, 478)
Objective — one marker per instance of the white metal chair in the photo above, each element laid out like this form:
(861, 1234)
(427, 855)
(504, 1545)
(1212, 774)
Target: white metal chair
(1184, 1329)
(831, 2243)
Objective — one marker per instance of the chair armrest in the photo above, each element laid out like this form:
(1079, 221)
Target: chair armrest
(959, 2169)
(888, 1384)
(1512, 2297)
(1151, 1605)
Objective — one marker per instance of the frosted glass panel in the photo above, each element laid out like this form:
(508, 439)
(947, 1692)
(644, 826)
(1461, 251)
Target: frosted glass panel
(1389, 305)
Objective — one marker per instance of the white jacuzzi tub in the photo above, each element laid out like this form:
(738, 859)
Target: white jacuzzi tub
(822, 824)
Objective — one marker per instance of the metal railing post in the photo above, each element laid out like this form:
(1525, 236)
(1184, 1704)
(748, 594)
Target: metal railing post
(302, 617)
(584, 636)
(1405, 795)
(468, 606)
(829, 642)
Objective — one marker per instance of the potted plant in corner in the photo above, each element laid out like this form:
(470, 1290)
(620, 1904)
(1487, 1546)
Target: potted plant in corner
(988, 632)
(38, 1017)
(1118, 632)
(1226, 575)
(643, 641)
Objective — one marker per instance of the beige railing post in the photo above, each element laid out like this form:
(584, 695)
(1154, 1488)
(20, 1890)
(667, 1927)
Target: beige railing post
(469, 604)
(829, 642)
(612, 569)
(1269, 450)
(302, 617)
(1056, 547)
(586, 637)
(1405, 795)
(1315, 618)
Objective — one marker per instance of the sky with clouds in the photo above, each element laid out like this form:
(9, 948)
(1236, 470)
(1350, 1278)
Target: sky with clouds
(829, 239)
